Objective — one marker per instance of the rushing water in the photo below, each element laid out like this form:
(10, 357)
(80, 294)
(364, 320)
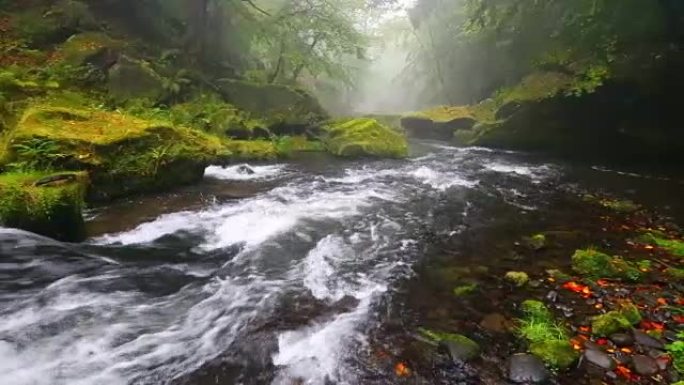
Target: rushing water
(278, 287)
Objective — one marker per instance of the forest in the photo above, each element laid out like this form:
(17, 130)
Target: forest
(341, 192)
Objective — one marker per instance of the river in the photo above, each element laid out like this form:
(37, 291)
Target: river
(285, 276)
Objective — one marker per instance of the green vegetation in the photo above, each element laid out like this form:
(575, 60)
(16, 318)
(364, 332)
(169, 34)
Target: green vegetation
(52, 208)
(675, 273)
(676, 350)
(123, 154)
(364, 137)
(547, 338)
(595, 264)
(517, 278)
(616, 320)
(672, 246)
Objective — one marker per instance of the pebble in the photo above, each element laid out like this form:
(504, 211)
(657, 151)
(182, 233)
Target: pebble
(552, 296)
(600, 359)
(526, 368)
(644, 339)
(645, 365)
(622, 339)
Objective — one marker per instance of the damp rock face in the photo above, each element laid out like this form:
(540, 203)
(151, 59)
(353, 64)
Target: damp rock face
(526, 368)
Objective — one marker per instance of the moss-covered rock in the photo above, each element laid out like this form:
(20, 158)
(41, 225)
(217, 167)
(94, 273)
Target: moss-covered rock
(364, 137)
(547, 338)
(44, 203)
(517, 278)
(135, 79)
(123, 154)
(466, 289)
(595, 264)
(460, 347)
(277, 106)
(614, 321)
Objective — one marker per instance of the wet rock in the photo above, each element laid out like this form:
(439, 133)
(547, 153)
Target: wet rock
(622, 339)
(600, 359)
(622, 358)
(526, 368)
(495, 322)
(552, 296)
(670, 336)
(644, 365)
(591, 345)
(460, 349)
(245, 170)
(645, 340)
(346, 304)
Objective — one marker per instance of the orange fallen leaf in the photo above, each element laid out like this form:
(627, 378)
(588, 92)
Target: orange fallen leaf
(401, 370)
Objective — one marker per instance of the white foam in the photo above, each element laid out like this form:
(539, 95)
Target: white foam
(440, 180)
(529, 171)
(237, 173)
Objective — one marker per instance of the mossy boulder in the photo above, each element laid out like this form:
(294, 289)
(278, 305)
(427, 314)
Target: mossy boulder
(595, 264)
(364, 137)
(44, 203)
(279, 107)
(214, 115)
(122, 154)
(459, 347)
(135, 79)
(439, 123)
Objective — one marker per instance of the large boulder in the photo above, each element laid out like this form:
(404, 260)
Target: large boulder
(281, 108)
(364, 137)
(122, 154)
(134, 79)
(439, 123)
(44, 203)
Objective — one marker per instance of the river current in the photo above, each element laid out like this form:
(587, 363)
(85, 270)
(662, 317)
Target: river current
(277, 287)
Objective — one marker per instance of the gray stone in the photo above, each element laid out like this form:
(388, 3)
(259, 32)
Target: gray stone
(622, 339)
(645, 340)
(526, 368)
(600, 359)
(645, 365)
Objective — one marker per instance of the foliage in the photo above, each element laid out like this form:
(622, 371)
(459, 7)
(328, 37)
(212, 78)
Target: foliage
(676, 350)
(673, 246)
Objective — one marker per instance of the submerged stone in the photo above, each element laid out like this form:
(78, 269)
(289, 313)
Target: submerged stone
(644, 365)
(644, 339)
(459, 347)
(526, 368)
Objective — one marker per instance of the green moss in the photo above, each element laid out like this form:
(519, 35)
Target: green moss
(518, 278)
(595, 264)
(555, 353)
(672, 246)
(547, 338)
(559, 275)
(464, 290)
(123, 154)
(609, 323)
(364, 137)
(675, 273)
(536, 241)
(536, 86)
(53, 210)
(676, 350)
(252, 149)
